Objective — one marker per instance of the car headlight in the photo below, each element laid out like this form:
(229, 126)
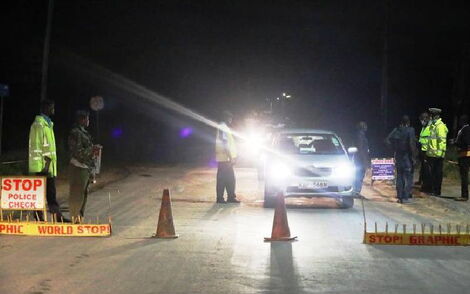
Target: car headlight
(344, 171)
(279, 171)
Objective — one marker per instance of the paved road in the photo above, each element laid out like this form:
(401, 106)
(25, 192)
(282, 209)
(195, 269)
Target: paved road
(221, 248)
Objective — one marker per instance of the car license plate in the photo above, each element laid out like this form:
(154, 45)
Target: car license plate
(314, 185)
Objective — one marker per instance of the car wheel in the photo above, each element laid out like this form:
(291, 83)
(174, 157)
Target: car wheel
(346, 202)
(269, 196)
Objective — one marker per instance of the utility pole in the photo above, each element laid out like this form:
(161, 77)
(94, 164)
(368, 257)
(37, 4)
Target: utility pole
(45, 52)
(384, 87)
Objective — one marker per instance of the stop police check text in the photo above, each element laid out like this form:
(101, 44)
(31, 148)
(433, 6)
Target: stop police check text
(27, 200)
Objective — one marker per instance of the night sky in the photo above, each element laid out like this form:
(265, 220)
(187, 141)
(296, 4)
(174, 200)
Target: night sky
(216, 55)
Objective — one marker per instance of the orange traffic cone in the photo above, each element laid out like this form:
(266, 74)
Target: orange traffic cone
(165, 227)
(281, 231)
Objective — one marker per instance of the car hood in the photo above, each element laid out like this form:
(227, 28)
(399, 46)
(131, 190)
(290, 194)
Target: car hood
(318, 160)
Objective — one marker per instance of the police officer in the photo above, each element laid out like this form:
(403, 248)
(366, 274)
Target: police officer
(424, 178)
(463, 143)
(361, 157)
(436, 150)
(226, 155)
(82, 153)
(42, 159)
(402, 140)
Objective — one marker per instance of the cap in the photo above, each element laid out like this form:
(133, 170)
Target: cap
(435, 110)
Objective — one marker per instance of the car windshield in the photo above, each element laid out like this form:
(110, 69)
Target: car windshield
(309, 144)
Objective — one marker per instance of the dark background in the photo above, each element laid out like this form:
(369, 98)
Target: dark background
(215, 55)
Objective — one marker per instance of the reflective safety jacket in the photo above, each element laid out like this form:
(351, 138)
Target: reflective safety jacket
(424, 137)
(225, 149)
(42, 144)
(437, 142)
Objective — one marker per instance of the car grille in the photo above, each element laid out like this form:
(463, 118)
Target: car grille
(313, 172)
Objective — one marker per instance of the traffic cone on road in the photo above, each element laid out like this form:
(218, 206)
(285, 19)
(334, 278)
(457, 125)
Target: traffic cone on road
(165, 227)
(281, 231)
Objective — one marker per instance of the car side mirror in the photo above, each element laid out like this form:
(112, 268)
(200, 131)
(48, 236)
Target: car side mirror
(352, 150)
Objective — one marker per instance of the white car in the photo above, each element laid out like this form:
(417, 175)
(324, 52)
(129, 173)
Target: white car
(309, 163)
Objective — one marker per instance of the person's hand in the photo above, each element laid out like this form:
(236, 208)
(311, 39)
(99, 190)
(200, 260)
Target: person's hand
(96, 150)
(45, 171)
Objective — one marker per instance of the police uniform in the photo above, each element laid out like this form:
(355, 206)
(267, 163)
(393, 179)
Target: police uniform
(42, 145)
(81, 163)
(226, 154)
(436, 150)
(424, 177)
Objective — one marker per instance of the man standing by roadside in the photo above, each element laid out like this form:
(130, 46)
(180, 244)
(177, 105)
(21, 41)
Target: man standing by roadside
(42, 159)
(226, 155)
(463, 143)
(361, 158)
(82, 153)
(437, 145)
(403, 141)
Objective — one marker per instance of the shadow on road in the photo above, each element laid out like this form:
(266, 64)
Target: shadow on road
(216, 209)
(283, 275)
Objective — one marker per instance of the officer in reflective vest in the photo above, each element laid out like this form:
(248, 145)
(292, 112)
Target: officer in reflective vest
(436, 149)
(42, 158)
(424, 174)
(226, 155)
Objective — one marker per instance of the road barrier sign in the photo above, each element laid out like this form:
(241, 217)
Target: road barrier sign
(382, 169)
(22, 193)
(427, 237)
(55, 229)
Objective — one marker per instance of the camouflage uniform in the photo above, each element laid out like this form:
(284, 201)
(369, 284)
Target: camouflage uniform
(81, 164)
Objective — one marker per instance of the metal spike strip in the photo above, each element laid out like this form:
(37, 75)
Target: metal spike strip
(423, 228)
(432, 229)
(414, 228)
(449, 228)
(440, 229)
(376, 227)
(457, 228)
(396, 228)
(404, 229)
(386, 228)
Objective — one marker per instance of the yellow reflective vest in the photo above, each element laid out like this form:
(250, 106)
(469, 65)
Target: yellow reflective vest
(42, 144)
(225, 149)
(424, 137)
(437, 142)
